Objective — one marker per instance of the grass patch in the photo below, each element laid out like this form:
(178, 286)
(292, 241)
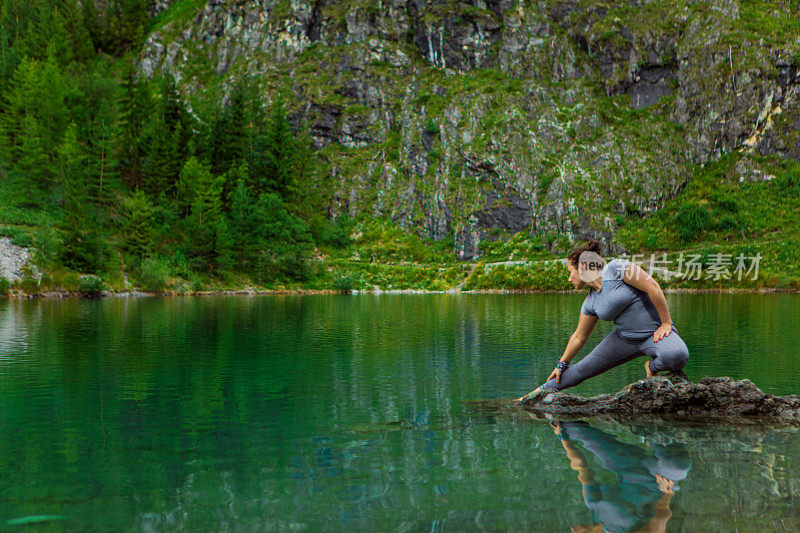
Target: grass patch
(180, 12)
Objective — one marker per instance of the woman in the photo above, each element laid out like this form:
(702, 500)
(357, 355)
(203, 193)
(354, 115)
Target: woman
(623, 292)
(639, 496)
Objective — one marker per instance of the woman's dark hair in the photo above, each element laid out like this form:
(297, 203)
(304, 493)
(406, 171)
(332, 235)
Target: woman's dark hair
(591, 246)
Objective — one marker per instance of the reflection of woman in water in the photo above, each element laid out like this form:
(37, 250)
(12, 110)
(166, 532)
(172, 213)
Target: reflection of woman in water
(623, 292)
(640, 500)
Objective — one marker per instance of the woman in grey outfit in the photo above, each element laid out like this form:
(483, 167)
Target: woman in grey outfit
(622, 292)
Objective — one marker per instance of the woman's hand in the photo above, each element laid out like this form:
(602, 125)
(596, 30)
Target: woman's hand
(665, 485)
(662, 331)
(556, 373)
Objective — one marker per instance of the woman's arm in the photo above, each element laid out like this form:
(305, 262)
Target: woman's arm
(578, 338)
(577, 461)
(635, 276)
(658, 524)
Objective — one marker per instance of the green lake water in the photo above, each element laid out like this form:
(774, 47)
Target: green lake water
(337, 413)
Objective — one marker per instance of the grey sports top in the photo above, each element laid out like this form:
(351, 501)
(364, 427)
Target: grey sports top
(631, 309)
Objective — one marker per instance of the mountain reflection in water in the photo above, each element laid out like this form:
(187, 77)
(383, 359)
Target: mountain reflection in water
(333, 413)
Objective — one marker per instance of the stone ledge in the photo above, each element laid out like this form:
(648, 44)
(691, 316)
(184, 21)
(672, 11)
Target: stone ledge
(674, 396)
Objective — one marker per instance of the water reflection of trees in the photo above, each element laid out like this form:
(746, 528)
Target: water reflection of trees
(285, 412)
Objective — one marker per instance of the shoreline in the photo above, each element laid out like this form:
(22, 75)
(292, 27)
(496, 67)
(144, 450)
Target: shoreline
(63, 294)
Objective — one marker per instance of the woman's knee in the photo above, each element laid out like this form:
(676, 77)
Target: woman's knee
(676, 357)
(680, 358)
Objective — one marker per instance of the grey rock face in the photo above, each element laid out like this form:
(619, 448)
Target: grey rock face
(15, 261)
(157, 6)
(486, 117)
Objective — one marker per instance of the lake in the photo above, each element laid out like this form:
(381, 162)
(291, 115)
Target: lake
(334, 413)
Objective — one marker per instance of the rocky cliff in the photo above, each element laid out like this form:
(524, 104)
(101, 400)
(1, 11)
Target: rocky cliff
(476, 119)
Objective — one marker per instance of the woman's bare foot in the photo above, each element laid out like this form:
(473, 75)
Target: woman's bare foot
(647, 369)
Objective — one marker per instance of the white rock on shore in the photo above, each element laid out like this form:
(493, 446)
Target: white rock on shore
(15, 261)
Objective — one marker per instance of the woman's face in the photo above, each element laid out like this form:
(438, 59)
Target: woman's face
(574, 276)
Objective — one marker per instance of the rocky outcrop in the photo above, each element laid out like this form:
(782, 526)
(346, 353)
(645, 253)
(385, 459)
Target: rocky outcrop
(483, 118)
(15, 261)
(674, 397)
(157, 6)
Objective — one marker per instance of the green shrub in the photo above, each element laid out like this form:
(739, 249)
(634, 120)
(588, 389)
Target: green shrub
(5, 287)
(691, 221)
(652, 242)
(197, 283)
(153, 274)
(431, 128)
(727, 223)
(346, 283)
(789, 183)
(85, 250)
(47, 242)
(91, 286)
(284, 261)
(179, 265)
(23, 239)
(335, 233)
(29, 285)
(19, 236)
(727, 203)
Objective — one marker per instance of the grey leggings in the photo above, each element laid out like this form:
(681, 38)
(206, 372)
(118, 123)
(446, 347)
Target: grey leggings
(670, 353)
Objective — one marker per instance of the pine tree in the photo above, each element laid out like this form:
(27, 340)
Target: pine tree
(287, 247)
(134, 106)
(193, 174)
(243, 225)
(203, 191)
(91, 21)
(9, 55)
(32, 123)
(207, 202)
(230, 142)
(304, 197)
(54, 90)
(172, 109)
(275, 160)
(168, 142)
(127, 20)
(84, 248)
(71, 164)
(203, 222)
(33, 39)
(223, 243)
(162, 164)
(16, 110)
(82, 47)
(138, 226)
(181, 121)
(35, 170)
(99, 128)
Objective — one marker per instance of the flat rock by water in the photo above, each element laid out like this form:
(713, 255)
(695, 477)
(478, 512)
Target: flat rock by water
(674, 396)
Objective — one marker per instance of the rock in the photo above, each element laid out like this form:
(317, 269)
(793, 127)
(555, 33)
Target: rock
(673, 396)
(157, 6)
(15, 261)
